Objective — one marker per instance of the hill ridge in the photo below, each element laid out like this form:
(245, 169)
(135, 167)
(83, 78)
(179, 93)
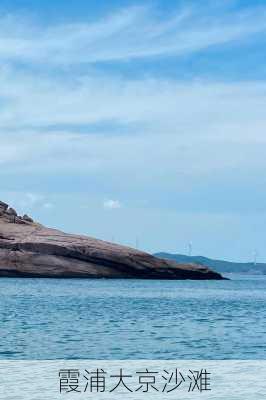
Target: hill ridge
(221, 266)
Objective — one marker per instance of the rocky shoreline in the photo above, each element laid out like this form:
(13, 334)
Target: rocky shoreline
(29, 249)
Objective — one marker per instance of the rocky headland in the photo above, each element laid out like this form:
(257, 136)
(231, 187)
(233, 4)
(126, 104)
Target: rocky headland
(29, 249)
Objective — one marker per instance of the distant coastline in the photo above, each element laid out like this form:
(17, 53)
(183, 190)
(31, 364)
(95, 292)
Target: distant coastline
(220, 266)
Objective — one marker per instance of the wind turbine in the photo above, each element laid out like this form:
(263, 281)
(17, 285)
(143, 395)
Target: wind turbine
(255, 257)
(189, 249)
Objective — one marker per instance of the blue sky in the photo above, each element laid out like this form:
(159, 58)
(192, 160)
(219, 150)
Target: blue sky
(128, 119)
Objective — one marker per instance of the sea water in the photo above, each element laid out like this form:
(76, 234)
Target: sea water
(47, 319)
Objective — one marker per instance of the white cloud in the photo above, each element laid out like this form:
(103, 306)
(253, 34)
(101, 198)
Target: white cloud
(127, 34)
(176, 129)
(48, 206)
(32, 198)
(29, 201)
(36, 102)
(112, 204)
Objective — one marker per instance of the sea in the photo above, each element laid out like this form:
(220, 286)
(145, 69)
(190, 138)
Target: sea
(76, 319)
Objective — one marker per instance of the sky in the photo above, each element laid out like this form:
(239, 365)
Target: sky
(142, 123)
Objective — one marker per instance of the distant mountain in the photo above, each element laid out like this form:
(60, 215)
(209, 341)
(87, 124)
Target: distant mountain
(217, 265)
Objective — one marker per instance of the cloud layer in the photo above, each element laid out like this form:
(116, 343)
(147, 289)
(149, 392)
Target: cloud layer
(131, 33)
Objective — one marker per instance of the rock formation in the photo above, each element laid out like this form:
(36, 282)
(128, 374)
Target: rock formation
(28, 249)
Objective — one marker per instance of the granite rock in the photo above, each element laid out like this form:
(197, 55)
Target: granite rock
(29, 249)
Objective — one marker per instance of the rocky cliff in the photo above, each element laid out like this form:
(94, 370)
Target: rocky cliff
(28, 249)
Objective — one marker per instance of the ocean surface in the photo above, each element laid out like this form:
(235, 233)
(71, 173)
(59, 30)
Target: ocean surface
(49, 319)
